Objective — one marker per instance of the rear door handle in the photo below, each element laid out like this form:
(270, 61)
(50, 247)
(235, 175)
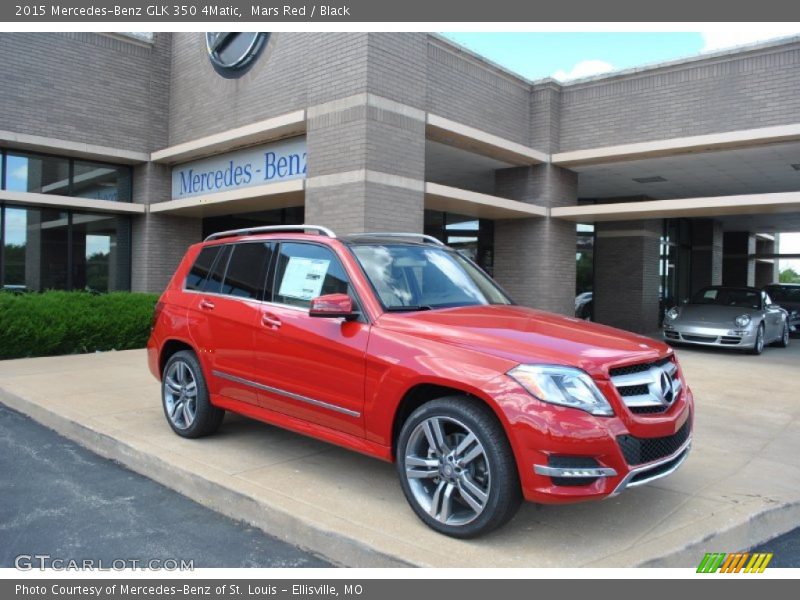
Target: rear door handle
(207, 304)
(270, 320)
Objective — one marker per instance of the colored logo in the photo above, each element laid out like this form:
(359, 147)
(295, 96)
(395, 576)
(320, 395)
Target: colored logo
(740, 562)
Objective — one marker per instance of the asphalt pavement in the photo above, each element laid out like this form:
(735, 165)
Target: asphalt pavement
(785, 549)
(61, 500)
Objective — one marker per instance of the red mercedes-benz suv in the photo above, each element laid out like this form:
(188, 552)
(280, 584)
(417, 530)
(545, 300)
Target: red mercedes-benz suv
(399, 347)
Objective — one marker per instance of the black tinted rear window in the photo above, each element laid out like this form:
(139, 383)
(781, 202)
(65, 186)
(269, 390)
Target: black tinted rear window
(247, 269)
(214, 282)
(201, 268)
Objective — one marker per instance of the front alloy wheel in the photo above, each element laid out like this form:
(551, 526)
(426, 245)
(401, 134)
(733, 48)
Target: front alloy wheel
(456, 467)
(758, 345)
(784, 341)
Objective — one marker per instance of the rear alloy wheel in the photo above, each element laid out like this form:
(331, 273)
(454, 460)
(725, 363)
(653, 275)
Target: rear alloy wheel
(456, 467)
(758, 345)
(185, 398)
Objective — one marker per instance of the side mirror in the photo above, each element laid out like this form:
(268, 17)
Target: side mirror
(332, 306)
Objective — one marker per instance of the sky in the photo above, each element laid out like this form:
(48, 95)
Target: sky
(566, 56)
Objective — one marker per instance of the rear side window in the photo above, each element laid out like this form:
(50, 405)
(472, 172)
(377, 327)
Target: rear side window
(247, 270)
(201, 268)
(305, 271)
(213, 284)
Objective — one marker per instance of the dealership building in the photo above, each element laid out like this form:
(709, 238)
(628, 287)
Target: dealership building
(641, 186)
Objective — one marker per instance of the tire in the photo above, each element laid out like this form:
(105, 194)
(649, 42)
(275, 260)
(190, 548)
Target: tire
(466, 496)
(783, 341)
(189, 415)
(758, 345)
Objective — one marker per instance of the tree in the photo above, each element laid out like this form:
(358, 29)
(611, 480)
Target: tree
(789, 276)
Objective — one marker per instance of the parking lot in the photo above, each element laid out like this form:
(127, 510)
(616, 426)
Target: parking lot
(739, 487)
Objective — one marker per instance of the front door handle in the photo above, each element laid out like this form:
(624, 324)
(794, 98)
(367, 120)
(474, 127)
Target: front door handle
(269, 320)
(207, 304)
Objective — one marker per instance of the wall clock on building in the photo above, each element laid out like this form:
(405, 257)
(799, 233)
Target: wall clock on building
(233, 53)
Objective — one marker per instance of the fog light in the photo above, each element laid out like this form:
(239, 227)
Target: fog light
(574, 471)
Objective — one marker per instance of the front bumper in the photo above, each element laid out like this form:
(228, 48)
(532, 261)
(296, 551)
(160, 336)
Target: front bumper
(565, 455)
(710, 336)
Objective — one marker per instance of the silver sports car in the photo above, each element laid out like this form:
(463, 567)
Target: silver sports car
(728, 317)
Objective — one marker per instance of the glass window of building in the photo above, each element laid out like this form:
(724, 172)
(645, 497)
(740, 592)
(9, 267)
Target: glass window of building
(101, 181)
(36, 173)
(100, 252)
(44, 174)
(47, 249)
(584, 271)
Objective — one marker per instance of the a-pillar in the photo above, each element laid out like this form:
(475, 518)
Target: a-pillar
(535, 258)
(626, 276)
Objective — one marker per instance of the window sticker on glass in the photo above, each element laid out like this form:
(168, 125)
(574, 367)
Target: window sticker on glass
(303, 277)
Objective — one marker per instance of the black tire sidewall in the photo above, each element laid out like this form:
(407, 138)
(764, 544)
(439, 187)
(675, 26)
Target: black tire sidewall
(207, 417)
(504, 495)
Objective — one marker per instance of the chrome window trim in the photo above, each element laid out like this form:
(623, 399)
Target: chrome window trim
(293, 396)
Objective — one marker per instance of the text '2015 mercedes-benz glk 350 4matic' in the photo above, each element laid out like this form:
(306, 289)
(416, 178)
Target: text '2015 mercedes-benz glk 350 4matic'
(399, 347)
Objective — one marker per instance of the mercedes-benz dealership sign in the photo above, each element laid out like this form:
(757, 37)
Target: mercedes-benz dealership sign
(259, 165)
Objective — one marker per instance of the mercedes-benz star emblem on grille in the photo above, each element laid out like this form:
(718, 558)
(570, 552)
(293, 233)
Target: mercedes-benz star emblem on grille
(667, 393)
(232, 52)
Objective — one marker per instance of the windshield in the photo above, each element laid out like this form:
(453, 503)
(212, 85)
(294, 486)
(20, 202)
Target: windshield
(736, 297)
(418, 277)
(780, 293)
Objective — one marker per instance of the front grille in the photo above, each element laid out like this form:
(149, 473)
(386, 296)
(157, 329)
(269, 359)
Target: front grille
(632, 390)
(730, 340)
(672, 335)
(638, 451)
(649, 410)
(700, 338)
(639, 368)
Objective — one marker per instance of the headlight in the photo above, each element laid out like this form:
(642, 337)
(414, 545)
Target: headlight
(565, 386)
(673, 313)
(742, 320)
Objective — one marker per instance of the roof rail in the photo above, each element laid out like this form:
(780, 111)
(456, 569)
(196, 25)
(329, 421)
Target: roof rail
(428, 238)
(271, 228)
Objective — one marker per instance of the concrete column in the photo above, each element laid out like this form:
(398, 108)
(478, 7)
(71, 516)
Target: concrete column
(626, 278)
(158, 241)
(738, 268)
(766, 270)
(366, 153)
(706, 268)
(535, 258)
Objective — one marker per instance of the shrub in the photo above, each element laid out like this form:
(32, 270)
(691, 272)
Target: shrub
(56, 322)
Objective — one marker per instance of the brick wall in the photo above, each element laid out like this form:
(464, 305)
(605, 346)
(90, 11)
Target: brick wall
(86, 87)
(735, 91)
(535, 258)
(626, 278)
(295, 71)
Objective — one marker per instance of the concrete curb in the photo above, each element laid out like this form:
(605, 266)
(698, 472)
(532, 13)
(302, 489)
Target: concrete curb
(335, 547)
(760, 528)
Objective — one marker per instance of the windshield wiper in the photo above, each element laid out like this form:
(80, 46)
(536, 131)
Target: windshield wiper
(408, 308)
